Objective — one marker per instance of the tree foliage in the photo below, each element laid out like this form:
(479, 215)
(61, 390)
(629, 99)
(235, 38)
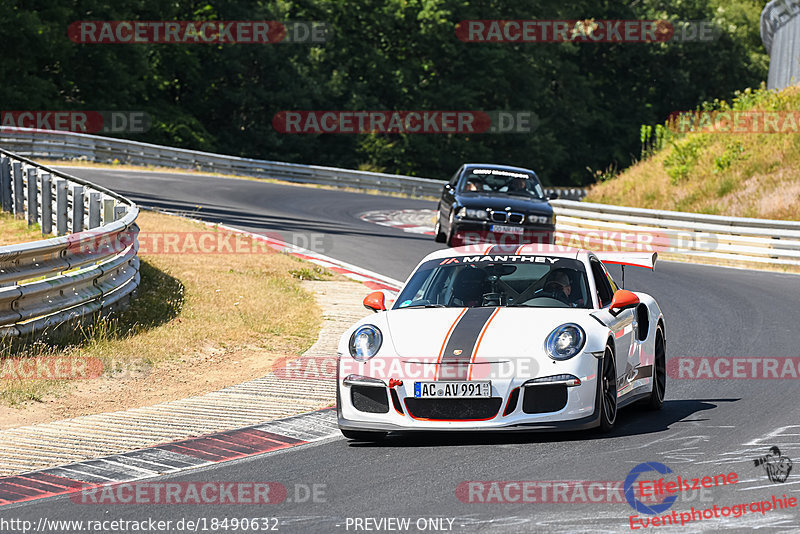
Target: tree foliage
(384, 55)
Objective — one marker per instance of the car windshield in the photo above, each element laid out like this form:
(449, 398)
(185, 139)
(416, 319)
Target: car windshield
(500, 181)
(513, 281)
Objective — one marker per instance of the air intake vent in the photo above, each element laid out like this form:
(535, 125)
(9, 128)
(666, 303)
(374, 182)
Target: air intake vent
(453, 409)
(544, 399)
(369, 399)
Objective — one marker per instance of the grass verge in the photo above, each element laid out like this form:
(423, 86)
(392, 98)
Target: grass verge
(14, 231)
(732, 174)
(200, 322)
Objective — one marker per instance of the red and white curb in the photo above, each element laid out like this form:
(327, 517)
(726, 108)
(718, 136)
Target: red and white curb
(220, 445)
(411, 221)
(170, 457)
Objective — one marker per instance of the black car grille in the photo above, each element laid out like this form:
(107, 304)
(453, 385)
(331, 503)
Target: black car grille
(544, 398)
(453, 409)
(507, 217)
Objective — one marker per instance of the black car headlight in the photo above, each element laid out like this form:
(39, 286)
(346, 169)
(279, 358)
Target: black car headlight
(565, 341)
(468, 213)
(365, 342)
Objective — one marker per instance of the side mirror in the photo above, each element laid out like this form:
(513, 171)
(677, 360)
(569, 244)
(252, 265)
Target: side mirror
(448, 187)
(375, 301)
(623, 300)
(553, 196)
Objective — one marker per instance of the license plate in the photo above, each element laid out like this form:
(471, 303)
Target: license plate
(502, 229)
(452, 390)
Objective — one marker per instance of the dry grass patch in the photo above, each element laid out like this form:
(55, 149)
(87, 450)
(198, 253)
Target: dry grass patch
(14, 231)
(741, 175)
(201, 321)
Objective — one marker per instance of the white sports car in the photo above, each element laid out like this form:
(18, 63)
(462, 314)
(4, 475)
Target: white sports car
(497, 337)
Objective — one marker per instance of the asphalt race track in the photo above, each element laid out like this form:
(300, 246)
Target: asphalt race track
(706, 427)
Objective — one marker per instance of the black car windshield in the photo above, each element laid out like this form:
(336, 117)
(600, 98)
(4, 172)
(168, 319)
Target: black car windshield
(513, 281)
(501, 181)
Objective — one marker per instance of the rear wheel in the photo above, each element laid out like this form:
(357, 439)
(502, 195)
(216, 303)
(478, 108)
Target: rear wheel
(656, 399)
(363, 435)
(608, 392)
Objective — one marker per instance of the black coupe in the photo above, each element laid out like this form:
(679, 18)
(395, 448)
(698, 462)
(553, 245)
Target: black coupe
(494, 204)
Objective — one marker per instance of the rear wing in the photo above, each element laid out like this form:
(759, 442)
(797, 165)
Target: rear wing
(634, 259)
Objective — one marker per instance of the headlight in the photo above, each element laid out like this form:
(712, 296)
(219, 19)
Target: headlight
(565, 341)
(539, 219)
(365, 342)
(473, 214)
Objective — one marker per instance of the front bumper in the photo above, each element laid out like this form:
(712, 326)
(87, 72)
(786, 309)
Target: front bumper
(467, 232)
(585, 423)
(513, 405)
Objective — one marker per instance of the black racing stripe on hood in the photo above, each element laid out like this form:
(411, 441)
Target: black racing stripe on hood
(464, 338)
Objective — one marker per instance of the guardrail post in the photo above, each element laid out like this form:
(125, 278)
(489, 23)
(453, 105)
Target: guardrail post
(77, 209)
(5, 184)
(108, 210)
(47, 204)
(61, 206)
(33, 196)
(19, 192)
(94, 210)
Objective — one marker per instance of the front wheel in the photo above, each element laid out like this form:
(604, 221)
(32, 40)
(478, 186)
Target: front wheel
(451, 230)
(608, 392)
(363, 435)
(438, 235)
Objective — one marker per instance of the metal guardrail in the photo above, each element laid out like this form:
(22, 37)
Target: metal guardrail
(90, 267)
(728, 240)
(52, 144)
(597, 226)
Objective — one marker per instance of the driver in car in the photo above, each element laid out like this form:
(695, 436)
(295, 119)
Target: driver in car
(558, 283)
(468, 287)
(518, 185)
